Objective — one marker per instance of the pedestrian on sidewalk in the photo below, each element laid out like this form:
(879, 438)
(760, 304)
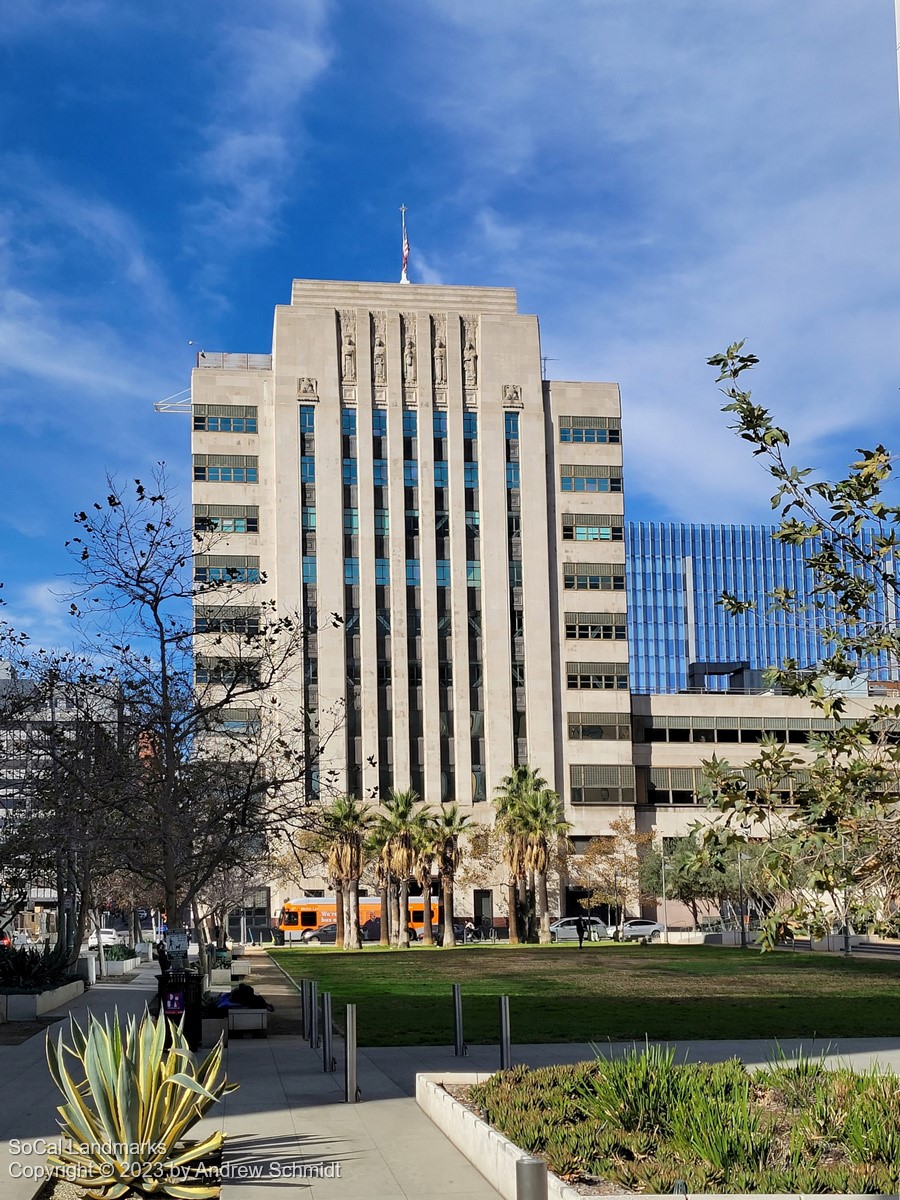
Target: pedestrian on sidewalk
(579, 929)
(162, 955)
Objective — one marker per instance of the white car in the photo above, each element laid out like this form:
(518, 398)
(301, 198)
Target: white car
(565, 930)
(109, 937)
(641, 927)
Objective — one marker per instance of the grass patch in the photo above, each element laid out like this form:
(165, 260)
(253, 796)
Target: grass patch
(644, 1122)
(561, 994)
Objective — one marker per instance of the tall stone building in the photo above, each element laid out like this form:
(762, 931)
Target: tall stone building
(450, 525)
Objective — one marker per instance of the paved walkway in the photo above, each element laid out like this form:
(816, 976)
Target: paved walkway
(290, 1132)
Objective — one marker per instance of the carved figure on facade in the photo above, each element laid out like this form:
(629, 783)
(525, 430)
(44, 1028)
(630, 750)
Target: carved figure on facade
(512, 395)
(470, 365)
(378, 359)
(440, 361)
(347, 324)
(306, 387)
(409, 361)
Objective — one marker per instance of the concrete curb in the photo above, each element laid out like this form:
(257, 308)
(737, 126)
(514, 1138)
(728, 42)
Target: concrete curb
(494, 1155)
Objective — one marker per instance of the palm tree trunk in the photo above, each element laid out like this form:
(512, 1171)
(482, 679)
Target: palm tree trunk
(385, 939)
(449, 938)
(395, 914)
(543, 908)
(354, 941)
(427, 931)
(403, 916)
(512, 892)
(340, 923)
(348, 917)
(530, 906)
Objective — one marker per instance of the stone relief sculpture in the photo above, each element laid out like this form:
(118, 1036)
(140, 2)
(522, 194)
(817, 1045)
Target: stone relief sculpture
(512, 395)
(470, 352)
(378, 359)
(409, 361)
(440, 362)
(306, 387)
(347, 322)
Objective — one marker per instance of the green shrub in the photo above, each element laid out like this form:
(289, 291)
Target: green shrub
(28, 969)
(119, 953)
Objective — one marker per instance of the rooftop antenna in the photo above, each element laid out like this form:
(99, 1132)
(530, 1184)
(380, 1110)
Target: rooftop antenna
(545, 358)
(404, 278)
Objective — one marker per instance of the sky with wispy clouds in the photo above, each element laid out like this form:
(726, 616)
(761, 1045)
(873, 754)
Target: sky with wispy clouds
(657, 178)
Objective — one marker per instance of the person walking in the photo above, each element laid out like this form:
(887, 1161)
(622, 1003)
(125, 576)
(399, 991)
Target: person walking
(579, 929)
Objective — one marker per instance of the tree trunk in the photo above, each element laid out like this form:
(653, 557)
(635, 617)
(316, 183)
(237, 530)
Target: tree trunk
(101, 953)
(135, 927)
(201, 940)
(385, 938)
(403, 916)
(348, 919)
(449, 938)
(543, 908)
(341, 925)
(355, 938)
(694, 913)
(512, 895)
(530, 907)
(427, 931)
(395, 914)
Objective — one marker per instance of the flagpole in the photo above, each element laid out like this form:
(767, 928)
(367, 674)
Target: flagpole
(404, 278)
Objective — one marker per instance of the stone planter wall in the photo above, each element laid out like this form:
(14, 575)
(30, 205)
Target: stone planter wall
(86, 968)
(122, 966)
(28, 1006)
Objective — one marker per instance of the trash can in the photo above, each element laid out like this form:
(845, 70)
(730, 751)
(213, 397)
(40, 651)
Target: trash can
(181, 1000)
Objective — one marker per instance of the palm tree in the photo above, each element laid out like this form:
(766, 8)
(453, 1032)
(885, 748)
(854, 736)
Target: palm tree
(449, 824)
(513, 794)
(400, 823)
(346, 822)
(426, 847)
(542, 827)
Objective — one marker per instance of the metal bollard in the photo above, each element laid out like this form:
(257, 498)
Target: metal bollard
(328, 1063)
(350, 1085)
(458, 1039)
(531, 1179)
(313, 1015)
(505, 1054)
(304, 1008)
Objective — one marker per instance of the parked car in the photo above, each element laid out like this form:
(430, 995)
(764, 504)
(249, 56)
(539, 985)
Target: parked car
(641, 927)
(565, 929)
(324, 935)
(109, 937)
(371, 931)
(5, 939)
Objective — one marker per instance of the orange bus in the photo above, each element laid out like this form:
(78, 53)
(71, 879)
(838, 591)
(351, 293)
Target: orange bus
(308, 913)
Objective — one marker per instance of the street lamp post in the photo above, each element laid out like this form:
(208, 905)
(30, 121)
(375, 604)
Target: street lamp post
(665, 899)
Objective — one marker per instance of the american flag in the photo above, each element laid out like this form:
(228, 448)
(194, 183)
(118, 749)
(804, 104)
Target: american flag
(405, 250)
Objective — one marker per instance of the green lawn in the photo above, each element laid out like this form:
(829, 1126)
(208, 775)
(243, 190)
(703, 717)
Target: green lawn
(561, 994)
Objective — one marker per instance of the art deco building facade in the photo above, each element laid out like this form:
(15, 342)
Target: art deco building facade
(449, 524)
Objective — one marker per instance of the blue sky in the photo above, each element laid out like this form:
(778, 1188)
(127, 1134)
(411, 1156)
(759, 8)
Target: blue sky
(656, 177)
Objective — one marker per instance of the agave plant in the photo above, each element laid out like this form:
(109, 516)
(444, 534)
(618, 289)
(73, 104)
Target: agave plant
(130, 1101)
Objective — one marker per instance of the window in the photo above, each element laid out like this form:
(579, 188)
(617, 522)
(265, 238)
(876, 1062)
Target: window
(411, 521)
(597, 676)
(380, 472)
(381, 522)
(413, 573)
(307, 418)
(379, 422)
(226, 524)
(383, 674)
(585, 577)
(351, 521)
(445, 674)
(515, 574)
(473, 523)
(471, 474)
(441, 523)
(226, 671)
(590, 626)
(512, 475)
(511, 422)
(439, 424)
(572, 480)
(226, 574)
(348, 422)
(226, 620)
(225, 474)
(591, 533)
(349, 472)
(473, 574)
(410, 473)
(443, 572)
(225, 424)
(599, 726)
(351, 572)
(470, 426)
(441, 474)
(409, 423)
(382, 572)
(590, 430)
(309, 569)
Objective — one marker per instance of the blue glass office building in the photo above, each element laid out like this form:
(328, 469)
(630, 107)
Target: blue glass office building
(674, 576)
